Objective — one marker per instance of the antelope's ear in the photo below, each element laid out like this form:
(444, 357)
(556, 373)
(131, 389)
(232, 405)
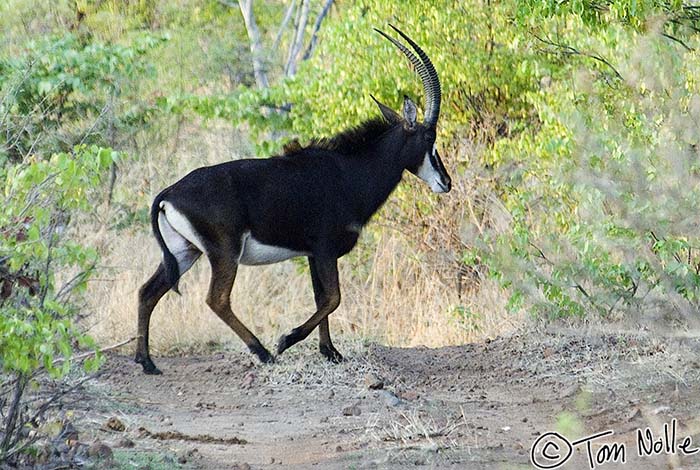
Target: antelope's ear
(409, 113)
(389, 114)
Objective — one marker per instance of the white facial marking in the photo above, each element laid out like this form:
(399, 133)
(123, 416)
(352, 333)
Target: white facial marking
(256, 253)
(429, 174)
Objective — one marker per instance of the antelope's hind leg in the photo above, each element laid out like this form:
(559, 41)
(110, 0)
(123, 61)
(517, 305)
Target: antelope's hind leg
(223, 273)
(149, 295)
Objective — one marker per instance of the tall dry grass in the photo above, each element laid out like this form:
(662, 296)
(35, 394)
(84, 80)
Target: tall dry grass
(401, 302)
(397, 289)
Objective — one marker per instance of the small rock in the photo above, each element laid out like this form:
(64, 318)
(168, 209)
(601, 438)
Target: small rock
(114, 424)
(373, 382)
(241, 466)
(248, 380)
(353, 410)
(324, 419)
(125, 443)
(339, 449)
(182, 457)
(389, 398)
(409, 395)
(100, 450)
(569, 391)
(634, 413)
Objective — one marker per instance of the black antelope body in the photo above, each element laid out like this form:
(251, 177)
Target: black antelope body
(312, 201)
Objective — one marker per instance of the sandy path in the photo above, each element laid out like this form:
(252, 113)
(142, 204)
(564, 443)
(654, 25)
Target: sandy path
(474, 406)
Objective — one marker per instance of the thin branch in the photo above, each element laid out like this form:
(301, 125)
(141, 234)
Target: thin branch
(75, 280)
(569, 50)
(679, 41)
(11, 422)
(283, 25)
(300, 26)
(47, 267)
(317, 26)
(92, 353)
(42, 409)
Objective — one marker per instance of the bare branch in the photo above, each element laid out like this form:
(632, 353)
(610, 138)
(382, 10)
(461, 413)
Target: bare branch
(73, 282)
(283, 25)
(92, 353)
(13, 413)
(679, 41)
(300, 25)
(569, 50)
(317, 26)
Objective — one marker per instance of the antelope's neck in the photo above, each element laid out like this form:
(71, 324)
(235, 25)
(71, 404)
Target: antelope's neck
(378, 178)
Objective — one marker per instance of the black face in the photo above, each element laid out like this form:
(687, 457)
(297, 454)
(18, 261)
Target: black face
(424, 159)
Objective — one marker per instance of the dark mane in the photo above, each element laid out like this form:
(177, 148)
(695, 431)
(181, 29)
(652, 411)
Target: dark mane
(354, 140)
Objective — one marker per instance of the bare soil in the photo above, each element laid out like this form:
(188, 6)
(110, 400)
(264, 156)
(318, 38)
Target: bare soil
(467, 407)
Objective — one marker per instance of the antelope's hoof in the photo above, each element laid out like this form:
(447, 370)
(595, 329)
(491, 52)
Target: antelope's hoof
(331, 354)
(264, 356)
(288, 340)
(149, 367)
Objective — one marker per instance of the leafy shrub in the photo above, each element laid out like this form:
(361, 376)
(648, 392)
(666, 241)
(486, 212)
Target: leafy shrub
(60, 92)
(37, 331)
(601, 198)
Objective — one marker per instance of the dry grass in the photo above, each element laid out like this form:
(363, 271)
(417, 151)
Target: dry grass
(413, 426)
(401, 302)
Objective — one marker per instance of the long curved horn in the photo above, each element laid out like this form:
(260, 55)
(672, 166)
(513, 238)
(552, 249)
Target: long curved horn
(434, 96)
(428, 75)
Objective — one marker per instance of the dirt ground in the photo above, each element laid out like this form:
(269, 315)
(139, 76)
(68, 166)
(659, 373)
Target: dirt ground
(477, 406)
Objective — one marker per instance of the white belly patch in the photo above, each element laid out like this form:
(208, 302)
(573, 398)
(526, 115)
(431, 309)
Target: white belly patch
(255, 253)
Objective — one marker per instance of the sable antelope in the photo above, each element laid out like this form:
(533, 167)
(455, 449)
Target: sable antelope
(312, 201)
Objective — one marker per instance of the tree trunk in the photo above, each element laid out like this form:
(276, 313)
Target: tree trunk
(256, 49)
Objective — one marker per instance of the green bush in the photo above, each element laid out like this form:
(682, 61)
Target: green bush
(37, 329)
(61, 91)
(602, 195)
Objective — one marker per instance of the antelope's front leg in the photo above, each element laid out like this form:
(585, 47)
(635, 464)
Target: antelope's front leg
(324, 275)
(325, 345)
